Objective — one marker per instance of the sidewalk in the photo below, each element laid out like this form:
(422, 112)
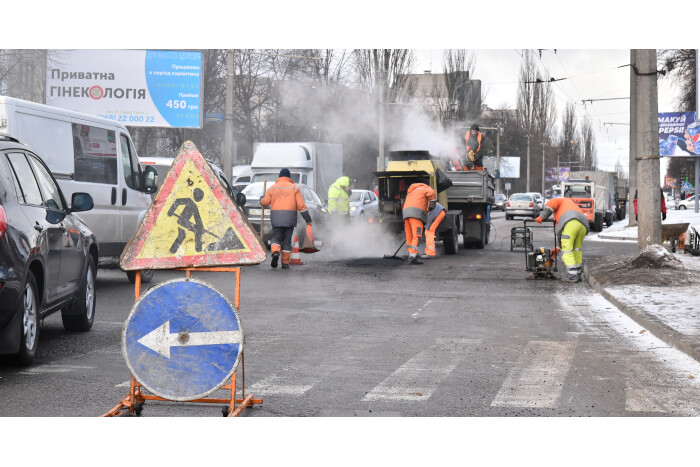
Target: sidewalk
(620, 231)
(660, 290)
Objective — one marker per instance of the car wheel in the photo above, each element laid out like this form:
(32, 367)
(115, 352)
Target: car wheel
(29, 339)
(681, 207)
(146, 276)
(82, 314)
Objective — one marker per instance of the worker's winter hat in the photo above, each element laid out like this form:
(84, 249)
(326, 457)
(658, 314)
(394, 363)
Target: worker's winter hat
(475, 127)
(285, 173)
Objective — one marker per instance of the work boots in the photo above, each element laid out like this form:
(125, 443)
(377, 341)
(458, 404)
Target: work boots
(275, 259)
(413, 259)
(285, 259)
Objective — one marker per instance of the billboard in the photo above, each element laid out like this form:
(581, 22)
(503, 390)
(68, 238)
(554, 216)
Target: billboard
(679, 134)
(151, 88)
(510, 166)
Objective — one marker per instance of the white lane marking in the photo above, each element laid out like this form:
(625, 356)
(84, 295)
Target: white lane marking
(415, 314)
(658, 378)
(125, 384)
(538, 377)
(286, 384)
(46, 369)
(418, 378)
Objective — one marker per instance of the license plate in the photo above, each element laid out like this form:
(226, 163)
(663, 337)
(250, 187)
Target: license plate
(255, 212)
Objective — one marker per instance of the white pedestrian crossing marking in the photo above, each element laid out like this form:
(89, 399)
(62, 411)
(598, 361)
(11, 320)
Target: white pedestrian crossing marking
(288, 384)
(418, 378)
(538, 377)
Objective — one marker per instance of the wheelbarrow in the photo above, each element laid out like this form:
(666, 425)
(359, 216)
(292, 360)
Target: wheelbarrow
(672, 233)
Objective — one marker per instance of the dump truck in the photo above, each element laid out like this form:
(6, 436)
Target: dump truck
(467, 202)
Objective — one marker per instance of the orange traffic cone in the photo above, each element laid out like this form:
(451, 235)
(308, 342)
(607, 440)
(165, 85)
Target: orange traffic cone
(295, 258)
(309, 244)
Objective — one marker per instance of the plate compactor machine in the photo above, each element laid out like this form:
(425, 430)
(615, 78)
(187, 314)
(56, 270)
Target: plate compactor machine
(541, 262)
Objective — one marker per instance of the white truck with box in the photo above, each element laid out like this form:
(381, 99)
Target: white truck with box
(317, 165)
(92, 155)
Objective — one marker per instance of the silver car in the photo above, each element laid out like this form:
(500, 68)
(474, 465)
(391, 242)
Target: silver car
(539, 200)
(363, 204)
(522, 204)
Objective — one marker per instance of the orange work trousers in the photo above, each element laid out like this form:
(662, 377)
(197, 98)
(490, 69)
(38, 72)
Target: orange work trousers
(414, 230)
(430, 234)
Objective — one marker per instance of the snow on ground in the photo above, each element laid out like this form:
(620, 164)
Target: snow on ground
(621, 231)
(677, 307)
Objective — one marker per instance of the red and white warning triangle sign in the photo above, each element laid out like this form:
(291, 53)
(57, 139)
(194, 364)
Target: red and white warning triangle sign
(192, 222)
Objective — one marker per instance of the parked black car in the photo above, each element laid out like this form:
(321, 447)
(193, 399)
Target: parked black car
(47, 253)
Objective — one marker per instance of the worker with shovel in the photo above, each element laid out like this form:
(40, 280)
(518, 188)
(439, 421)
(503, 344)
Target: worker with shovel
(419, 199)
(571, 228)
(284, 199)
(435, 218)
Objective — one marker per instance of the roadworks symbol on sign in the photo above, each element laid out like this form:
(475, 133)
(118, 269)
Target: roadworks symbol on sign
(192, 222)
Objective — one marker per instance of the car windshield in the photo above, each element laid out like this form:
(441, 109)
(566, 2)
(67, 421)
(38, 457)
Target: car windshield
(271, 177)
(355, 196)
(500, 197)
(521, 198)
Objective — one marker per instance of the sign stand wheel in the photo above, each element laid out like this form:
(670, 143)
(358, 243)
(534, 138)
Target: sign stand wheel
(134, 401)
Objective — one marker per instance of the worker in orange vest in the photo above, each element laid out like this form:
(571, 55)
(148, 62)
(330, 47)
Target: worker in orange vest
(571, 228)
(419, 199)
(435, 218)
(475, 158)
(284, 199)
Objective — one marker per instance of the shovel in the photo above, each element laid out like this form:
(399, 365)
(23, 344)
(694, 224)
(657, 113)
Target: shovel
(395, 253)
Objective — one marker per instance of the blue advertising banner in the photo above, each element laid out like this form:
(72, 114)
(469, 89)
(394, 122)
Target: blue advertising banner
(150, 88)
(679, 134)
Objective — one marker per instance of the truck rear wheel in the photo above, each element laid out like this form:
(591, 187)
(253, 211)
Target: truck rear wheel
(598, 222)
(450, 241)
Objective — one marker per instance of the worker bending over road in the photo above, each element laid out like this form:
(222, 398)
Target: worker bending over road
(571, 228)
(435, 217)
(419, 199)
(284, 199)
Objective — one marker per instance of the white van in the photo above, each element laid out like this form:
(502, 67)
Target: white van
(92, 155)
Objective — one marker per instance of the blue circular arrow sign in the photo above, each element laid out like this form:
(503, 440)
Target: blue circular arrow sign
(182, 340)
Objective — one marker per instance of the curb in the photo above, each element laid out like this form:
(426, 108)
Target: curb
(651, 323)
(608, 237)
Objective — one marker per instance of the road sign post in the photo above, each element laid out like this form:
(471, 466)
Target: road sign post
(183, 339)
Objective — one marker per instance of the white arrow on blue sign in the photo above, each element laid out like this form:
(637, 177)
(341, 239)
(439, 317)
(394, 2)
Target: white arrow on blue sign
(182, 340)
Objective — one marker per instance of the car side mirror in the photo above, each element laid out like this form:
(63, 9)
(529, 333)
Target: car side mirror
(240, 199)
(367, 201)
(149, 179)
(81, 202)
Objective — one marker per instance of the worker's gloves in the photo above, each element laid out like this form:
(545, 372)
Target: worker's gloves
(308, 222)
(663, 216)
(538, 220)
(260, 200)
(431, 204)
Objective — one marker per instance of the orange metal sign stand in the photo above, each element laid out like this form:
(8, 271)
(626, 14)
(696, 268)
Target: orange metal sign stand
(133, 402)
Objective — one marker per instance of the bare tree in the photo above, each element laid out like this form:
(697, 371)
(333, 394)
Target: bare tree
(568, 149)
(454, 100)
(387, 68)
(23, 72)
(681, 66)
(589, 150)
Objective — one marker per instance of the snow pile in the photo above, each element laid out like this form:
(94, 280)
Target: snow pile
(656, 256)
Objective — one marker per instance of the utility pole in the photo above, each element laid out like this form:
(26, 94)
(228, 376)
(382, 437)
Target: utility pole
(498, 157)
(527, 183)
(228, 117)
(647, 136)
(380, 157)
(543, 177)
(633, 137)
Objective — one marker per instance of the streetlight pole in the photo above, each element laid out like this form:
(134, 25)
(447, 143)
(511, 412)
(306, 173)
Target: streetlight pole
(228, 117)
